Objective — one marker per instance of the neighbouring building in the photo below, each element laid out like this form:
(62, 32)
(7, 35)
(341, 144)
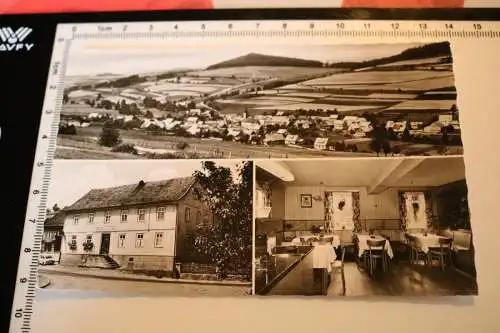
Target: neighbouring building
(321, 144)
(137, 226)
(274, 139)
(53, 232)
(291, 139)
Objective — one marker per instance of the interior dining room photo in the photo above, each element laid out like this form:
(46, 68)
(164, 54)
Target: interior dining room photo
(363, 227)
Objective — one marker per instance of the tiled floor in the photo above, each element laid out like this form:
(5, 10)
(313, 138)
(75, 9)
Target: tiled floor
(403, 280)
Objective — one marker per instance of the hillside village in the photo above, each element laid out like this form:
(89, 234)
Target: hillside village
(382, 106)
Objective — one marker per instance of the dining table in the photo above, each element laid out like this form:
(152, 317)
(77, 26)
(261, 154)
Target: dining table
(323, 256)
(424, 242)
(306, 238)
(363, 244)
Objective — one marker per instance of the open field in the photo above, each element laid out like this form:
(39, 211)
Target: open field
(261, 71)
(434, 60)
(316, 106)
(84, 110)
(375, 77)
(415, 105)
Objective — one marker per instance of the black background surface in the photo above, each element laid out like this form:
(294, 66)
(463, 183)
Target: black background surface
(23, 76)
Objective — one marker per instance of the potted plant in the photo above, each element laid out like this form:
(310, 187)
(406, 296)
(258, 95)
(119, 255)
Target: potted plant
(72, 245)
(315, 229)
(341, 205)
(88, 245)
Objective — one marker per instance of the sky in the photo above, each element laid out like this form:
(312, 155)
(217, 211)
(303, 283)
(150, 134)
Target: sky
(71, 180)
(126, 57)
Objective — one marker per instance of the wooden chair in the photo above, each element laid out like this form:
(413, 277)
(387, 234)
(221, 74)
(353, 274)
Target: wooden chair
(415, 252)
(376, 251)
(410, 242)
(338, 265)
(442, 252)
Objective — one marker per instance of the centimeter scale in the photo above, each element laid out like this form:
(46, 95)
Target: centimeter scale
(327, 31)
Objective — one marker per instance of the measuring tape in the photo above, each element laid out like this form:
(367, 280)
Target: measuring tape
(326, 32)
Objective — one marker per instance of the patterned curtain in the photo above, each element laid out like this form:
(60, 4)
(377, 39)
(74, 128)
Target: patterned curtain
(356, 210)
(429, 212)
(402, 210)
(328, 212)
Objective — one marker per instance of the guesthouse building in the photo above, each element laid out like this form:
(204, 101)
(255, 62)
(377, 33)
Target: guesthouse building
(141, 226)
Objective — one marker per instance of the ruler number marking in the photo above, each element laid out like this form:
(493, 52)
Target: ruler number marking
(18, 313)
(341, 25)
(477, 26)
(395, 26)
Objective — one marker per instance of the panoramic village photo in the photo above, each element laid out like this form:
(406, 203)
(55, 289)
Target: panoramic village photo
(181, 228)
(146, 100)
(363, 227)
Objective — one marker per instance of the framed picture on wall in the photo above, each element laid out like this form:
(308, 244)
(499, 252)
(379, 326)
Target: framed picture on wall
(306, 200)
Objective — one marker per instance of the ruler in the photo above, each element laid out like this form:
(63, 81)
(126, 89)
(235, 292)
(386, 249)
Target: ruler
(228, 31)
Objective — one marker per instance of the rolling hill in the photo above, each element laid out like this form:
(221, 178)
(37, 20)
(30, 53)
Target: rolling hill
(420, 52)
(255, 59)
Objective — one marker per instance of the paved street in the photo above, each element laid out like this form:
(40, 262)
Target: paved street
(142, 288)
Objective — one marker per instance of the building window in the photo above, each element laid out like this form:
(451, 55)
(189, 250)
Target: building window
(141, 215)
(107, 216)
(187, 214)
(160, 213)
(76, 218)
(72, 243)
(139, 240)
(124, 215)
(91, 217)
(159, 239)
(121, 240)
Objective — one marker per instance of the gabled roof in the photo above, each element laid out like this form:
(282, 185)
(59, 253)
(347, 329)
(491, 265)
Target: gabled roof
(134, 194)
(56, 220)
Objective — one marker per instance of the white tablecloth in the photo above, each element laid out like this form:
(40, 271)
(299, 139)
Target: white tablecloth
(335, 242)
(323, 256)
(423, 243)
(363, 244)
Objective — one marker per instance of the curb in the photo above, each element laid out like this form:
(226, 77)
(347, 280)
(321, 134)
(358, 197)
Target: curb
(43, 281)
(144, 279)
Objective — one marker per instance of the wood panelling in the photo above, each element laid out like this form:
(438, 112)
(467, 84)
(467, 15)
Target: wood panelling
(379, 206)
(278, 201)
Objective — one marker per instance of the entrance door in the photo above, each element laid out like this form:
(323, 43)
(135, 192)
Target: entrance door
(105, 239)
(57, 244)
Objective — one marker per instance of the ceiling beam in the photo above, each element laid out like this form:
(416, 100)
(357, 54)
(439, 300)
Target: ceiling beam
(278, 169)
(397, 169)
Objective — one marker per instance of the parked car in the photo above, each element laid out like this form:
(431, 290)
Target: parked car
(47, 259)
